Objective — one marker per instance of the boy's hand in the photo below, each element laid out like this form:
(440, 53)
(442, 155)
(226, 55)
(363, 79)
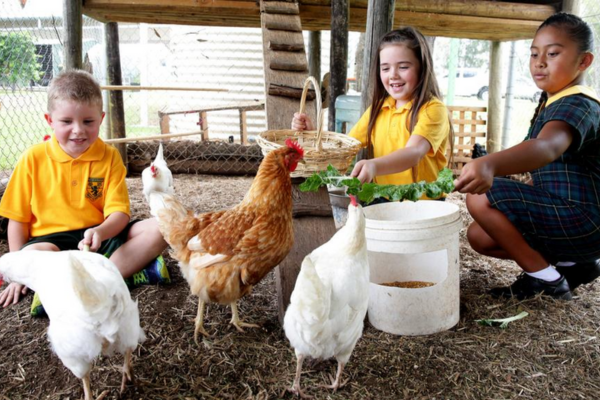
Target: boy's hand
(12, 293)
(91, 238)
(476, 177)
(301, 122)
(365, 171)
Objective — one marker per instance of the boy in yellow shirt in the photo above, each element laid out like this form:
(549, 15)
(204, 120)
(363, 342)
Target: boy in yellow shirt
(70, 191)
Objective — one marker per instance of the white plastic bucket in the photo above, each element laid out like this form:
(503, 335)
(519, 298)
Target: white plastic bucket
(413, 241)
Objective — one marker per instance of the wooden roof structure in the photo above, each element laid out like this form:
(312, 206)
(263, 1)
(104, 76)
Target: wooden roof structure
(496, 20)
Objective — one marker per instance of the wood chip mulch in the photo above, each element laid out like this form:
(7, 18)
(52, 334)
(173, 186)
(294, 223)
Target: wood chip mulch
(554, 353)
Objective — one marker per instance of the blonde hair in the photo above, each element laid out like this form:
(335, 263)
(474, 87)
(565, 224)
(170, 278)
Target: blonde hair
(74, 85)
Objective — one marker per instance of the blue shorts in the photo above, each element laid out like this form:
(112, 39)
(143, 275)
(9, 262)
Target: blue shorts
(70, 239)
(559, 229)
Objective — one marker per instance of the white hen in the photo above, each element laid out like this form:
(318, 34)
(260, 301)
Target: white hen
(330, 299)
(89, 306)
(157, 180)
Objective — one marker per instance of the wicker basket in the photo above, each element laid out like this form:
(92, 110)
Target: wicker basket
(321, 148)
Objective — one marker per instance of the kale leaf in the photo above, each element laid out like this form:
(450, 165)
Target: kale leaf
(371, 191)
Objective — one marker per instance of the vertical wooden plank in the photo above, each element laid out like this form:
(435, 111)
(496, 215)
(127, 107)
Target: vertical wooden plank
(380, 20)
(571, 6)
(243, 128)
(495, 99)
(165, 123)
(314, 54)
(73, 31)
(204, 125)
(338, 59)
(115, 102)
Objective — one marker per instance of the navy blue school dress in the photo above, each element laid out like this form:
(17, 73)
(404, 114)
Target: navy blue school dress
(559, 215)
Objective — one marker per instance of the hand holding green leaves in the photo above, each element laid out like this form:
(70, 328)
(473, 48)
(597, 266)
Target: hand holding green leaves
(370, 191)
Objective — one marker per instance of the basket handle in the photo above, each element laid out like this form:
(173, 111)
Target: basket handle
(315, 84)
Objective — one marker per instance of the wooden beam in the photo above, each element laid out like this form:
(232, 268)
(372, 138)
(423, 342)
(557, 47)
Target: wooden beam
(494, 139)
(380, 20)
(338, 55)
(73, 31)
(314, 54)
(115, 104)
(486, 20)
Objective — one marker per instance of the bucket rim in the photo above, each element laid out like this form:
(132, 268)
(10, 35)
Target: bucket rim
(411, 211)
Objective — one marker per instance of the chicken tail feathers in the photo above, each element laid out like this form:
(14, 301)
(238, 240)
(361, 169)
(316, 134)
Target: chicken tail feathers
(85, 287)
(177, 224)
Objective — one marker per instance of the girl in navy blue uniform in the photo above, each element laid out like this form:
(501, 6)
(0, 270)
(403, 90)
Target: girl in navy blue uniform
(551, 226)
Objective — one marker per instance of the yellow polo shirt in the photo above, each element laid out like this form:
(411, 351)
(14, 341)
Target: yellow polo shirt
(391, 133)
(53, 192)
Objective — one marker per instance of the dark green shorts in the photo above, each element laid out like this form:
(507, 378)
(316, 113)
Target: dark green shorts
(70, 239)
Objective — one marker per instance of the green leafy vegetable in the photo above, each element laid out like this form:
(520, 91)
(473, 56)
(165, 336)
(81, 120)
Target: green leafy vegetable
(502, 323)
(371, 191)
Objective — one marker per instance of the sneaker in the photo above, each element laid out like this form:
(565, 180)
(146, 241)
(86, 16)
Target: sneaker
(527, 286)
(580, 273)
(37, 309)
(156, 272)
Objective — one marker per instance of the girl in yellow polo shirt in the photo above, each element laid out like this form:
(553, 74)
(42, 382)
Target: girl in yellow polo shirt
(407, 127)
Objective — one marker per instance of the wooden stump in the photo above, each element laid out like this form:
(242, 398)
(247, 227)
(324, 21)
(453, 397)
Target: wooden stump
(313, 226)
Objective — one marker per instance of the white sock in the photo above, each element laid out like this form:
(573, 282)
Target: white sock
(565, 264)
(548, 274)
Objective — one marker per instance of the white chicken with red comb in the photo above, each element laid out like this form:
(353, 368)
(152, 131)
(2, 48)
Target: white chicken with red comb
(157, 181)
(330, 299)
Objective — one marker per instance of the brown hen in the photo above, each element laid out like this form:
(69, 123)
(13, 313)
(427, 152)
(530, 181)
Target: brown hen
(223, 254)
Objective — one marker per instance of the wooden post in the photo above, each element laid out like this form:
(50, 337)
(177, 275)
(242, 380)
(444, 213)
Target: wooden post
(338, 59)
(571, 6)
(73, 31)
(165, 122)
(380, 20)
(494, 138)
(113, 75)
(314, 54)
(243, 128)
(204, 125)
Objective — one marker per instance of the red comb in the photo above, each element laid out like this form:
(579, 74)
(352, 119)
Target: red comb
(47, 137)
(353, 200)
(294, 145)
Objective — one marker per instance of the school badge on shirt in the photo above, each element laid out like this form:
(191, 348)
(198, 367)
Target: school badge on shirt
(95, 188)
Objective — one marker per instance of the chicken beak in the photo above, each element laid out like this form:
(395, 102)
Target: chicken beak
(301, 161)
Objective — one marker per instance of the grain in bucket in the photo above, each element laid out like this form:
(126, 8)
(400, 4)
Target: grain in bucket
(413, 245)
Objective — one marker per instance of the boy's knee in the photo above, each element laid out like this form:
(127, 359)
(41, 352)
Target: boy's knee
(42, 246)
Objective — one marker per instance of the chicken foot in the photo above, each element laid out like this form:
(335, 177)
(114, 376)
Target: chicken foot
(296, 385)
(336, 383)
(236, 321)
(127, 370)
(87, 391)
(199, 322)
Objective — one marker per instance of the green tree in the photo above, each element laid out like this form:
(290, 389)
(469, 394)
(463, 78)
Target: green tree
(18, 60)
(474, 53)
